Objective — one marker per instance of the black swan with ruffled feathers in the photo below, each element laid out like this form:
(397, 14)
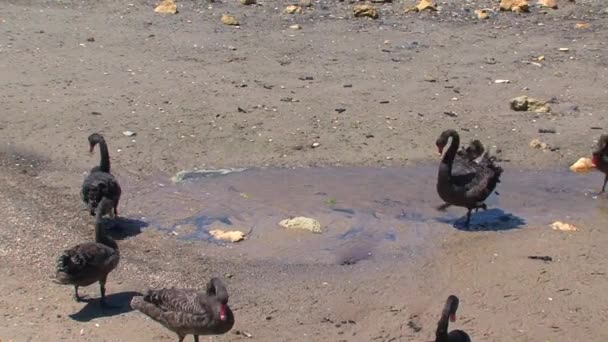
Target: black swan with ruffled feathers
(100, 183)
(90, 262)
(470, 182)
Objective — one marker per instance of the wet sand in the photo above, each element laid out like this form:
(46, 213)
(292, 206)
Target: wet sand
(386, 260)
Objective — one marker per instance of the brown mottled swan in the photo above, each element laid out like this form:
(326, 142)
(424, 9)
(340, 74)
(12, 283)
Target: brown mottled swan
(188, 312)
(90, 262)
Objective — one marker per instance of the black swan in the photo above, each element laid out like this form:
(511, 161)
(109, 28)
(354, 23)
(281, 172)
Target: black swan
(449, 312)
(100, 182)
(600, 158)
(465, 189)
(87, 263)
(189, 311)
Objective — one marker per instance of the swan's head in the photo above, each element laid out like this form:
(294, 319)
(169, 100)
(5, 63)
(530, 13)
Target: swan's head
(94, 139)
(443, 140)
(218, 293)
(451, 305)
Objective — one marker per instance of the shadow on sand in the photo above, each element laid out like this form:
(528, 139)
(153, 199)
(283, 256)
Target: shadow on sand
(488, 220)
(122, 227)
(120, 302)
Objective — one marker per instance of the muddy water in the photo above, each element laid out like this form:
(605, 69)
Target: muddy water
(366, 213)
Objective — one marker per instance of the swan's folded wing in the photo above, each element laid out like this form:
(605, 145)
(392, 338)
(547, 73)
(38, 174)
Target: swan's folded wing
(483, 185)
(83, 256)
(176, 300)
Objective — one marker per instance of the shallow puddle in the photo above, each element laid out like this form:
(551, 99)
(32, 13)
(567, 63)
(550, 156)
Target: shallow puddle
(365, 212)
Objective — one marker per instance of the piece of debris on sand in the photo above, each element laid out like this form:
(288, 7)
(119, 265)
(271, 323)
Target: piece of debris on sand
(537, 143)
(525, 103)
(548, 3)
(423, 5)
(166, 6)
(563, 226)
(230, 20)
(301, 222)
(518, 6)
(482, 13)
(292, 9)
(582, 165)
(365, 11)
(230, 235)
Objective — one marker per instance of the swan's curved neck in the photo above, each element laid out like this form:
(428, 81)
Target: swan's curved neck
(441, 333)
(445, 168)
(100, 231)
(104, 163)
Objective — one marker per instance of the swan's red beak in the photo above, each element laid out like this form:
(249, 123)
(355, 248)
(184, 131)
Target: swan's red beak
(91, 149)
(453, 318)
(222, 312)
(439, 150)
(595, 159)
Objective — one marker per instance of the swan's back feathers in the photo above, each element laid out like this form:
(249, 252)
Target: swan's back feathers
(98, 185)
(181, 311)
(85, 259)
(179, 300)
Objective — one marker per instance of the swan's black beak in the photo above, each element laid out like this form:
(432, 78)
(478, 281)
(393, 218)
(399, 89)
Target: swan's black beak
(453, 318)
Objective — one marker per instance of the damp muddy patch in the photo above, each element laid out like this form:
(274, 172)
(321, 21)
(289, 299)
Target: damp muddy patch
(365, 213)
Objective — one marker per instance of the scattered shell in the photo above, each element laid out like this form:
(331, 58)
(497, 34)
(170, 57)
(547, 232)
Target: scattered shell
(301, 222)
(129, 133)
(421, 6)
(315, 145)
(563, 226)
(582, 165)
(292, 9)
(537, 143)
(582, 25)
(231, 235)
(229, 20)
(365, 11)
(166, 6)
(482, 13)
(502, 81)
(525, 103)
(548, 3)
(295, 27)
(564, 49)
(518, 6)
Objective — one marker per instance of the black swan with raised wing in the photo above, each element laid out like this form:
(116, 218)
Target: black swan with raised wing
(188, 312)
(449, 313)
(90, 262)
(600, 158)
(465, 189)
(100, 182)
